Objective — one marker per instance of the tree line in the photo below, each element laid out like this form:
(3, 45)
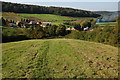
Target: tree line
(35, 32)
(38, 32)
(34, 9)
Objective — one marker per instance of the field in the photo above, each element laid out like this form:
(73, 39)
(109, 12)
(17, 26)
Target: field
(59, 58)
(11, 16)
(55, 19)
(107, 24)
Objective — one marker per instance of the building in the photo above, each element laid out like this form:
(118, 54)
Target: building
(45, 24)
(20, 24)
(70, 28)
(33, 22)
(86, 28)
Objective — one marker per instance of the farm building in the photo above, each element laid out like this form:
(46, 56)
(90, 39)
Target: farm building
(70, 28)
(33, 22)
(86, 28)
(45, 24)
(30, 24)
(73, 29)
(19, 23)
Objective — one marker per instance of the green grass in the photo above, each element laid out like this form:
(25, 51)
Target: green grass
(59, 58)
(107, 24)
(55, 19)
(9, 31)
(0, 27)
(11, 16)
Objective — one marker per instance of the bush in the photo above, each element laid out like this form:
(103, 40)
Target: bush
(61, 30)
(12, 34)
(107, 35)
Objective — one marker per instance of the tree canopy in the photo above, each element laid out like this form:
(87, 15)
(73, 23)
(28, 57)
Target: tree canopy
(34, 9)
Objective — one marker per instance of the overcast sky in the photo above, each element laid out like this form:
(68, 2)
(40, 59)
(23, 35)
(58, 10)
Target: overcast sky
(62, 0)
(91, 5)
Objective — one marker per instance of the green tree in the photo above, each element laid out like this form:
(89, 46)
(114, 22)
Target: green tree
(78, 27)
(52, 30)
(61, 30)
(3, 21)
(38, 32)
(87, 24)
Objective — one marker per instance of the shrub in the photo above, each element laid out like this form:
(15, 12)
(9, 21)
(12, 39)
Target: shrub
(61, 30)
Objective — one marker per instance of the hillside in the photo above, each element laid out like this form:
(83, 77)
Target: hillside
(59, 58)
(35, 9)
(108, 16)
(55, 19)
(104, 12)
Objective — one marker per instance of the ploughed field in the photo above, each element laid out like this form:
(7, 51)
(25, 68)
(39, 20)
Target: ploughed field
(59, 58)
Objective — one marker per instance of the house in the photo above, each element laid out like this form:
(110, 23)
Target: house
(73, 28)
(19, 23)
(86, 28)
(26, 25)
(45, 24)
(38, 23)
(30, 24)
(69, 28)
(33, 22)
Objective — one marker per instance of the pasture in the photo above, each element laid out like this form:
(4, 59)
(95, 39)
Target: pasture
(55, 19)
(59, 58)
(107, 24)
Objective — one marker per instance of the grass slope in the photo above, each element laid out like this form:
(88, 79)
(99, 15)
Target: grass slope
(59, 58)
(11, 16)
(55, 19)
(107, 24)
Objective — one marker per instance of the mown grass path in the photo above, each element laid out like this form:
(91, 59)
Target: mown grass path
(59, 58)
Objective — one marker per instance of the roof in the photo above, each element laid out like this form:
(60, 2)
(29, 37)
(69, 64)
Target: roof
(33, 22)
(70, 28)
(44, 24)
(18, 22)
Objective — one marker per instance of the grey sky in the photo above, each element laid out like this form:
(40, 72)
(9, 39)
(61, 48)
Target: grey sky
(62, 0)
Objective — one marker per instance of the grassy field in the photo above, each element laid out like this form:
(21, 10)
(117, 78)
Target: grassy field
(59, 58)
(11, 16)
(55, 19)
(107, 24)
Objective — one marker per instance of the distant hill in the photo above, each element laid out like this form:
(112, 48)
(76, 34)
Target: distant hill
(59, 58)
(108, 15)
(34, 9)
(106, 12)
(103, 12)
